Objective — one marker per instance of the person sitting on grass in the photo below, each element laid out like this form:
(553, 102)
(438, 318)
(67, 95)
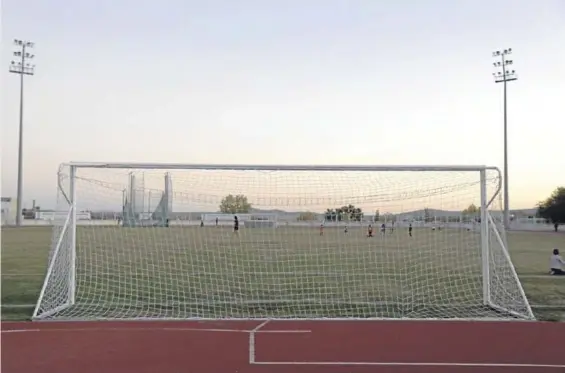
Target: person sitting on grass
(556, 264)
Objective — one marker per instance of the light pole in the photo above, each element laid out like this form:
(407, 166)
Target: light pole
(504, 75)
(20, 66)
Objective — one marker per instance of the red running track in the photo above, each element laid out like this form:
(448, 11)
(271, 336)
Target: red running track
(283, 347)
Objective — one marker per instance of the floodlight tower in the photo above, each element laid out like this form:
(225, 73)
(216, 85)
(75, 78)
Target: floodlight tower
(504, 75)
(22, 67)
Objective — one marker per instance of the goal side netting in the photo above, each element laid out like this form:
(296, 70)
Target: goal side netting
(333, 242)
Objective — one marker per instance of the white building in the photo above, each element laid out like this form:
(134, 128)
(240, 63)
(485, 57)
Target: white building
(8, 211)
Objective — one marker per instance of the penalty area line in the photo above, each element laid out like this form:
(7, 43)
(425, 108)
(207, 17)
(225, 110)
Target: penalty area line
(251, 347)
(422, 364)
(20, 331)
(258, 329)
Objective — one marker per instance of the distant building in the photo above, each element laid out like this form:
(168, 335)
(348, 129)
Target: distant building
(8, 211)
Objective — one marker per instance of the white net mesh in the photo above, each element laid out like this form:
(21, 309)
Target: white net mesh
(308, 256)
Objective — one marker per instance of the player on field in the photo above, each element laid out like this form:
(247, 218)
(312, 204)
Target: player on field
(216, 222)
(383, 229)
(556, 263)
(322, 229)
(345, 230)
(370, 231)
(410, 229)
(392, 227)
(235, 224)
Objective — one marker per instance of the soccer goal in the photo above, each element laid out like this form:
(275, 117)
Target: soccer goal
(317, 261)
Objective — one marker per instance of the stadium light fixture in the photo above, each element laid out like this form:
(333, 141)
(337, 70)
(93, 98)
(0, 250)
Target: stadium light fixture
(21, 67)
(504, 75)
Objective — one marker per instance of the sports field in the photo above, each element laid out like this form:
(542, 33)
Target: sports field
(123, 272)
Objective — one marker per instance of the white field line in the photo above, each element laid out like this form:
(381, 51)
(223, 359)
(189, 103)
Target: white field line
(18, 305)
(422, 364)
(252, 340)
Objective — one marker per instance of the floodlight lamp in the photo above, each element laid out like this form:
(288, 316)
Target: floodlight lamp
(509, 50)
(17, 42)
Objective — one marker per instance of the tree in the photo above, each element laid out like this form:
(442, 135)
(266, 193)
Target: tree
(348, 212)
(471, 210)
(553, 208)
(351, 212)
(330, 215)
(237, 204)
(358, 214)
(471, 213)
(377, 216)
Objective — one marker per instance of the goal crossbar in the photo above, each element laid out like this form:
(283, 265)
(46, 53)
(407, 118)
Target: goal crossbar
(279, 167)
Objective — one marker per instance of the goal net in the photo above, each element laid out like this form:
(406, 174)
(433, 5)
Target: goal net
(333, 242)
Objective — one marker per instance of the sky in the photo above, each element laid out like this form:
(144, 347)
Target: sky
(285, 82)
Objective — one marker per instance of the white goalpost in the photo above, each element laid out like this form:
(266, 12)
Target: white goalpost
(301, 260)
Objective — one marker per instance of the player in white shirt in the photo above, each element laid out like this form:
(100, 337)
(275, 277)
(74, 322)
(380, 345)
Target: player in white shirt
(556, 264)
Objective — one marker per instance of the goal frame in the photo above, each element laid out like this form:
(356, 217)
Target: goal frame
(486, 223)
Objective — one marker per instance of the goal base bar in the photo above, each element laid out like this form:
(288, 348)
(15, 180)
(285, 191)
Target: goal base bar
(256, 310)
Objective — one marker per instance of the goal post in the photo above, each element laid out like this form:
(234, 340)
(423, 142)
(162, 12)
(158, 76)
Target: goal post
(431, 264)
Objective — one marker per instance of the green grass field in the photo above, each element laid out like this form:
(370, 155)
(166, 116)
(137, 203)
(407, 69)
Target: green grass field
(124, 272)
